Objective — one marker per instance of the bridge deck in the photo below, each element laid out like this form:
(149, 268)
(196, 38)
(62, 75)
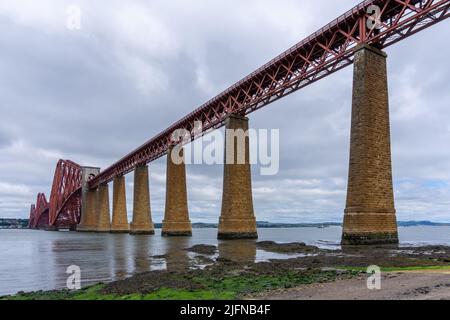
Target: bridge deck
(324, 52)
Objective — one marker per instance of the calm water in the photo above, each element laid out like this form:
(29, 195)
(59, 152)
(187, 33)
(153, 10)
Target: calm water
(37, 260)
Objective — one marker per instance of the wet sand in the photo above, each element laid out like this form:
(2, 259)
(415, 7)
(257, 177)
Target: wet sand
(415, 285)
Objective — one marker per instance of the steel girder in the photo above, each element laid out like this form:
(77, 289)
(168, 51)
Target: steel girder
(324, 52)
(41, 209)
(65, 197)
(32, 218)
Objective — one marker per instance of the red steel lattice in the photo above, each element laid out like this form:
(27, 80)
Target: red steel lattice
(32, 219)
(65, 197)
(41, 212)
(321, 54)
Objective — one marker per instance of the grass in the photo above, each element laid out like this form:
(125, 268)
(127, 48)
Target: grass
(228, 287)
(213, 287)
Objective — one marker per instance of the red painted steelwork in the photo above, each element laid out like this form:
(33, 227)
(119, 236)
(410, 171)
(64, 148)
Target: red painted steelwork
(32, 218)
(41, 212)
(65, 198)
(324, 52)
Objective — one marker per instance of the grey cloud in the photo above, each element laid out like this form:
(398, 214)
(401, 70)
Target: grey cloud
(91, 96)
(5, 138)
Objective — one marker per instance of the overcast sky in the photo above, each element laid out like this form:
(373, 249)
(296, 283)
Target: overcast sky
(134, 67)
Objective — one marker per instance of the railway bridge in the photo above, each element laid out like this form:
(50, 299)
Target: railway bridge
(79, 197)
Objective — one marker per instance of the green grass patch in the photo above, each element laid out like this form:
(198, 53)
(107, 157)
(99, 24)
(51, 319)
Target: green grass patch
(228, 287)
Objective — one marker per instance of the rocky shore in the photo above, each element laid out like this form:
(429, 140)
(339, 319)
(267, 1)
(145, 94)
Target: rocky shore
(229, 278)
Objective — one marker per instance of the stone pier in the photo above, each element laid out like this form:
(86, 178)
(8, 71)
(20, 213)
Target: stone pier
(89, 212)
(370, 213)
(119, 220)
(142, 219)
(176, 219)
(237, 220)
(103, 215)
(88, 201)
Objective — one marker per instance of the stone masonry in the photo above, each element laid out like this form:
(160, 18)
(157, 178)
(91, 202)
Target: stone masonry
(103, 214)
(119, 220)
(88, 198)
(89, 212)
(176, 219)
(237, 220)
(370, 214)
(142, 219)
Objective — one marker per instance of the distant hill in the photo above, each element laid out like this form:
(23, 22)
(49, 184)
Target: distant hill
(265, 224)
(6, 223)
(421, 223)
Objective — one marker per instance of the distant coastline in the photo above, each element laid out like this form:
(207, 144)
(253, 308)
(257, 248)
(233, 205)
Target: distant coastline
(265, 224)
(8, 223)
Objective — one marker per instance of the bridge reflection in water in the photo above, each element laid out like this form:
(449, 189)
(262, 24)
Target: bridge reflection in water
(106, 257)
(244, 252)
(34, 260)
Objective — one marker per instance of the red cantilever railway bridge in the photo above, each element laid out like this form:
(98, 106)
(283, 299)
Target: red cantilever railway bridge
(324, 52)
(64, 209)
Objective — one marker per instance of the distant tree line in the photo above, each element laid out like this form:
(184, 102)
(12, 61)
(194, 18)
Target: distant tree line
(7, 223)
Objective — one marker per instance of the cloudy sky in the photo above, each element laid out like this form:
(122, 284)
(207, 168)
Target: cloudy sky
(92, 95)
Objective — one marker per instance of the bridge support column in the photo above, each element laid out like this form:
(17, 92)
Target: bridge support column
(88, 199)
(103, 215)
(237, 220)
(370, 213)
(142, 219)
(119, 220)
(89, 212)
(176, 219)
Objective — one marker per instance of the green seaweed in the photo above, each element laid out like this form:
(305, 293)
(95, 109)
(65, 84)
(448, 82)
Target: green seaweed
(227, 287)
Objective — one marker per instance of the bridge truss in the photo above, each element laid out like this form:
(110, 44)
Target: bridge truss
(324, 52)
(65, 197)
(64, 209)
(39, 213)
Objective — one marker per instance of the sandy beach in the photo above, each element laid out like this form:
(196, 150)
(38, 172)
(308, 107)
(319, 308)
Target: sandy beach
(410, 285)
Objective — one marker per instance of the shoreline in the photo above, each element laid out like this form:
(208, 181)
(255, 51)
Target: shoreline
(316, 273)
(419, 284)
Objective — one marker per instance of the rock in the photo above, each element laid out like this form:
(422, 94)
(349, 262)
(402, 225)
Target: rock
(203, 249)
(294, 247)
